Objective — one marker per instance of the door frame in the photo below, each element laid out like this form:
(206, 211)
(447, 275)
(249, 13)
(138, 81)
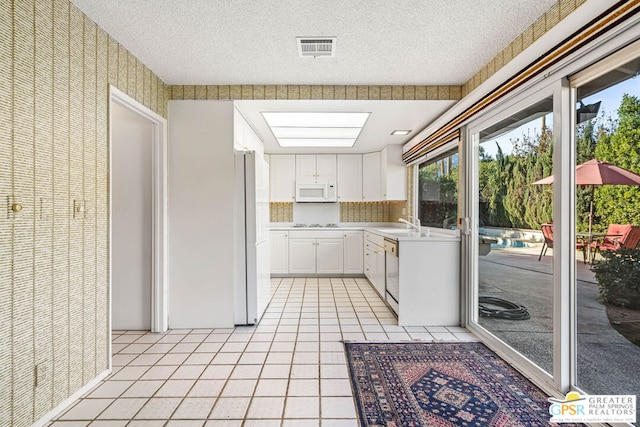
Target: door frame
(159, 291)
(470, 271)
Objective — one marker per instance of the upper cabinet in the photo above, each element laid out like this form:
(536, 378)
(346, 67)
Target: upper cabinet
(384, 175)
(371, 177)
(315, 167)
(349, 177)
(244, 138)
(371, 187)
(393, 174)
(282, 171)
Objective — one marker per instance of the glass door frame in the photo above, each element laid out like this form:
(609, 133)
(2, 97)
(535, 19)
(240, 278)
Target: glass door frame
(563, 256)
(581, 66)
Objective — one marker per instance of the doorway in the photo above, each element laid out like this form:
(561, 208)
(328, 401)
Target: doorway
(131, 139)
(137, 216)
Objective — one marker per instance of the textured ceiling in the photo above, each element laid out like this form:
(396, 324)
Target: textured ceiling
(412, 42)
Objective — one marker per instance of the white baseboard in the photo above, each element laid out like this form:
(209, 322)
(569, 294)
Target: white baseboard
(70, 400)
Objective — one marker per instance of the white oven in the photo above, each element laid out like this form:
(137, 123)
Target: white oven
(316, 192)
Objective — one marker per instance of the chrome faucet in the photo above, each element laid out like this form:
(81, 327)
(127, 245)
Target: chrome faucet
(415, 223)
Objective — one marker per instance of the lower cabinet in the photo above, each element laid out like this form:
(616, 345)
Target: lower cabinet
(329, 256)
(300, 252)
(353, 252)
(315, 256)
(374, 262)
(279, 246)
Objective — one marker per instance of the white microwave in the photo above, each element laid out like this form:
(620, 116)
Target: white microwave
(316, 192)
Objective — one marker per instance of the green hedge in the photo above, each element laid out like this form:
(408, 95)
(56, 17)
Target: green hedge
(619, 277)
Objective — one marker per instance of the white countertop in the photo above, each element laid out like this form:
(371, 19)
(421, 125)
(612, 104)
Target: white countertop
(389, 230)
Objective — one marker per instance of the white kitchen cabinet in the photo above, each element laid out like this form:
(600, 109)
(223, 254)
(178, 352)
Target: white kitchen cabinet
(316, 256)
(279, 240)
(349, 177)
(393, 173)
(353, 252)
(322, 252)
(371, 186)
(329, 256)
(282, 172)
(374, 262)
(302, 256)
(245, 139)
(315, 167)
(384, 175)
(306, 167)
(326, 166)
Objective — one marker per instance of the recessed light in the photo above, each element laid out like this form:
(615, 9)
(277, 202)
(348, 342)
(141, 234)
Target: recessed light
(333, 120)
(401, 132)
(304, 132)
(316, 142)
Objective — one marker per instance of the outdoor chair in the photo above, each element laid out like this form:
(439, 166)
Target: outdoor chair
(547, 233)
(618, 236)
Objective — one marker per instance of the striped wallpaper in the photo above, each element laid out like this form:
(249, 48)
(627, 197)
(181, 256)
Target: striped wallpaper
(55, 69)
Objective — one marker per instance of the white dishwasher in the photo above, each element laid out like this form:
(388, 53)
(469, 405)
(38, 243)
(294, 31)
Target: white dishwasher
(392, 294)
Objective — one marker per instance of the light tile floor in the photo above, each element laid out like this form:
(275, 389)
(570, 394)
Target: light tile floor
(289, 370)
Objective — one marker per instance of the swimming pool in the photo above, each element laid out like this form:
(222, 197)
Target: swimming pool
(510, 243)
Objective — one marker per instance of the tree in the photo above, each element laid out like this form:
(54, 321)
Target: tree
(493, 177)
(621, 147)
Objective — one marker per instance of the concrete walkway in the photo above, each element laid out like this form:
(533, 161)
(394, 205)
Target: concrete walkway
(607, 362)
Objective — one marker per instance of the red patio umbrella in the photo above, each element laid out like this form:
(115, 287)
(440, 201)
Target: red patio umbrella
(596, 172)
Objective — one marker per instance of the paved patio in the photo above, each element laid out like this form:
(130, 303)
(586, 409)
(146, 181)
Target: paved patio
(607, 362)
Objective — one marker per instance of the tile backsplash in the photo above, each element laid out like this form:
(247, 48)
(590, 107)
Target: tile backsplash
(349, 212)
(281, 211)
(371, 211)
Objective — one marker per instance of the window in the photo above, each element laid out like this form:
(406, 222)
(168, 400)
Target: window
(607, 219)
(438, 191)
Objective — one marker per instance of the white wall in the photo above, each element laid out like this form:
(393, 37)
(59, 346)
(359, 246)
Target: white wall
(201, 174)
(131, 141)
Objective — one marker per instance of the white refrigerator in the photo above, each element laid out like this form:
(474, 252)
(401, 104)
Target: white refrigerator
(251, 238)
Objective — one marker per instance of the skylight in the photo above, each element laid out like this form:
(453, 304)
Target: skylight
(295, 129)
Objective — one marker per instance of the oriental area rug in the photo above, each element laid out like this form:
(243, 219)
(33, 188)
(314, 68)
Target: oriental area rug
(441, 384)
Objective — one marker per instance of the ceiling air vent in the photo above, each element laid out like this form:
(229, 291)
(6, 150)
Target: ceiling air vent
(316, 46)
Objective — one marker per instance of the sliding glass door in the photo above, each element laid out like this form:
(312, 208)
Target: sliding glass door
(607, 211)
(551, 226)
(513, 262)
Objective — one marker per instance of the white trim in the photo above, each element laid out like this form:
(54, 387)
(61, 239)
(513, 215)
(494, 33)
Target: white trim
(71, 400)
(564, 254)
(159, 311)
(601, 68)
(543, 89)
(591, 58)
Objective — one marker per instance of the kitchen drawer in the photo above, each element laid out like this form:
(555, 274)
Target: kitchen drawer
(374, 238)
